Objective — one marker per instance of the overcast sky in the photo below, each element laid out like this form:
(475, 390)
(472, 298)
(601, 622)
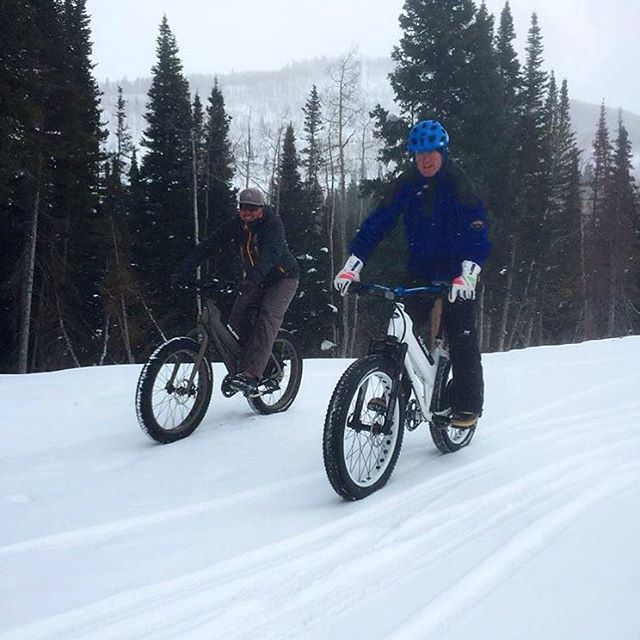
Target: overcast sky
(594, 44)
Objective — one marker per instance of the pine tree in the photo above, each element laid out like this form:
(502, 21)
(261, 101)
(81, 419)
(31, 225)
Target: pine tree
(289, 187)
(308, 311)
(598, 241)
(505, 188)
(431, 58)
(431, 77)
(508, 63)
(60, 308)
(312, 159)
(124, 140)
(521, 300)
(198, 157)
(318, 270)
(624, 281)
(551, 143)
(220, 195)
(165, 231)
(499, 274)
(563, 271)
(20, 174)
(481, 115)
(77, 178)
(532, 159)
(121, 287)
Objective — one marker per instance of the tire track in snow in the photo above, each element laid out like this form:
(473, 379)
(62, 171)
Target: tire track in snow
(487, 576)
(569, 400)
(334, 564)
(88, 535)
(408, 549)
(108, 530)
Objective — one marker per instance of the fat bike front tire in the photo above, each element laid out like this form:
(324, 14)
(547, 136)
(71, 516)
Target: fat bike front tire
(168, 410)
(359, 454)
(447, 438)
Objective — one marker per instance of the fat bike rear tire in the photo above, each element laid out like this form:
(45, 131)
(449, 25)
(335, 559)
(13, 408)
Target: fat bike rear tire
(447, 438)
(359, 457)
(281, 382)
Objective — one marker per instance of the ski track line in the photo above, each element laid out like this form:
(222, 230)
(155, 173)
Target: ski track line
(481, 467)
(352, 568)
(374, 567)
(489, 574)
(362, 569)
(95, 533)
(189, 600)
(88, 535)
(526, 415)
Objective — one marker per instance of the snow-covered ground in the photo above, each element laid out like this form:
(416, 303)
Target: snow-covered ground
(530, 532)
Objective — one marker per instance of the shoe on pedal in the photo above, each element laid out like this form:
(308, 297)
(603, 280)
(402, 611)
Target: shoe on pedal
(245, 383)
(464, 419)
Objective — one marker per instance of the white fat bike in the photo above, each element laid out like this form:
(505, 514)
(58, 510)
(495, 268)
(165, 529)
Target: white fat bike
(400, 384)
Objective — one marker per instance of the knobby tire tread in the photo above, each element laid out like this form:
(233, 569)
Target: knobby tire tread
(144, 391)
(258, 405)
(335, 425)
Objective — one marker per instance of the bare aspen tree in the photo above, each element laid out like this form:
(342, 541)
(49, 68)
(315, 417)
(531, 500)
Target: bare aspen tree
(343, 108)
(365, 144)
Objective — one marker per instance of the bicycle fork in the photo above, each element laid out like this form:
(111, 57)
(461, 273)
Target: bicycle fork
(170, 386)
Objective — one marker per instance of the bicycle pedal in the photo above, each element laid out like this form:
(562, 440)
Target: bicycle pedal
(442, 419)
(226, 388)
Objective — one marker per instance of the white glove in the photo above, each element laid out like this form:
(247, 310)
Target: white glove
(348, 273)
(464, 286)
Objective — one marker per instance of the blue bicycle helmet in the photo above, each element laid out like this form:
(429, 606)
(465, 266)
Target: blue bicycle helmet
(428, 135)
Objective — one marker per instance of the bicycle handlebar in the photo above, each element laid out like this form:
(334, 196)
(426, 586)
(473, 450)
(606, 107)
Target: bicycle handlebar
(397, 293)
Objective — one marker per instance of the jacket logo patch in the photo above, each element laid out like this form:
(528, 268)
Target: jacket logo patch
(477, 224)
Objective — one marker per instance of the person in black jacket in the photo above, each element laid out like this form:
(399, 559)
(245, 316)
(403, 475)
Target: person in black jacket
(271, 276)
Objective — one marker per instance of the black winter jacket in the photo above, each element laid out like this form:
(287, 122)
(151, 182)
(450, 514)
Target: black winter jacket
(261, 244)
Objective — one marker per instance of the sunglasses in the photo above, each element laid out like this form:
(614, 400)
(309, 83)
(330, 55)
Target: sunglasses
(249, 207)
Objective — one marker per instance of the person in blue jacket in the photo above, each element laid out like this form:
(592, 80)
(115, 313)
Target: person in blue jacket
(447, 238)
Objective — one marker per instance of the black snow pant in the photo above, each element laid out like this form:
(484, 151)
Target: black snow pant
(467, 386)
(256, 317)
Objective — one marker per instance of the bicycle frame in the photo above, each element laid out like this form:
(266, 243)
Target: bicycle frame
(420, 364)
(225, 341)
(211, 329)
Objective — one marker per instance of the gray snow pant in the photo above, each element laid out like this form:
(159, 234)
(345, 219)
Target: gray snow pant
(256, 317)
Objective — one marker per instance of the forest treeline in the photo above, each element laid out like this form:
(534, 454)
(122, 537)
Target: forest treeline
(92, 232)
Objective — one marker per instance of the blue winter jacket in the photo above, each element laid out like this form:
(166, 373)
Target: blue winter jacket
(445, 223)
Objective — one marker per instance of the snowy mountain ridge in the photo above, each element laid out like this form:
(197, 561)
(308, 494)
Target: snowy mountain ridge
(269, 98)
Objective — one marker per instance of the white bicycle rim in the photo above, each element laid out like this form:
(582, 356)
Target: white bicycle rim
(367, 454)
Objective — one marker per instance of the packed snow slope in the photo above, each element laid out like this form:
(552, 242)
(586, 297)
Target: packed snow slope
(530, 532)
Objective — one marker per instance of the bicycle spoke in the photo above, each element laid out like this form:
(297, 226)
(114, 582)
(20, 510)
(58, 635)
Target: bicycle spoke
(364, 445)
